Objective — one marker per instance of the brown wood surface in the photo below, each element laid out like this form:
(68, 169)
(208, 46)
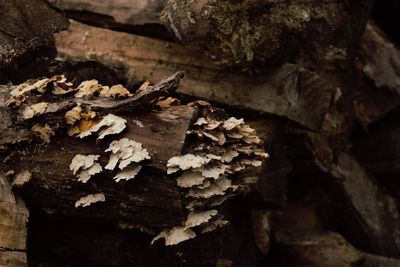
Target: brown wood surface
(289, 91)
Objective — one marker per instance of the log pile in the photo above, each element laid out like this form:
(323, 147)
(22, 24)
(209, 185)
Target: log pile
(178, 133)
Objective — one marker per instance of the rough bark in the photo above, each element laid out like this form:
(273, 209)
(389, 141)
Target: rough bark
(26, 36)
(13, 228)
(54, 190)
(240, 33)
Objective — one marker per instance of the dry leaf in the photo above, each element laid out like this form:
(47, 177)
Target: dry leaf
(89, 200)
(44, 132)
(175, 236)
(21, 178)
(35, 109)
(199, 218)
(128, 173)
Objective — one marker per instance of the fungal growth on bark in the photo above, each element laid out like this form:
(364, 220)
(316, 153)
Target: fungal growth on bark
(223, 149)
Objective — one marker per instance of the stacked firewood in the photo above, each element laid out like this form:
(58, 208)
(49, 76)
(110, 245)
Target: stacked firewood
(199, 133)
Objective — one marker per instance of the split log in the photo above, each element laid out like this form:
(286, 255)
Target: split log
(290, 91)
(26, 36)
(13, 228)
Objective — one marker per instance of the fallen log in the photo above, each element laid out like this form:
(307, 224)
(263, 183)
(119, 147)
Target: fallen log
(290, 91)
(178, 188)
(235, 33)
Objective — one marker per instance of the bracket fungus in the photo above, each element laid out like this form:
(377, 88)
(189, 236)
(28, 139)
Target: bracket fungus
(85, 166)
(89, 200)
(207, 176)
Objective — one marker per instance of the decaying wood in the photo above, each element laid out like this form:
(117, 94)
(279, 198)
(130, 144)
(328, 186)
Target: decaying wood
(238, 33)
(15, 133)
(26, 33)
(13, 227)
(290, 91)
(137, 12)
(326, 249)
(54, 190)
(379, 60)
